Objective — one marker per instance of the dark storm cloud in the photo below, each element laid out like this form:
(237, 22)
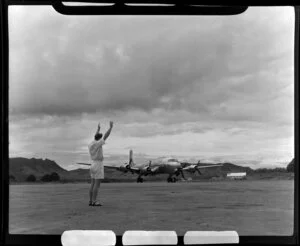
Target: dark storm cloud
(210, 66)
(215, 88)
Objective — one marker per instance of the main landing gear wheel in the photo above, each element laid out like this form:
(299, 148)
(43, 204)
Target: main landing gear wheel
(140, 180)
(171, 180)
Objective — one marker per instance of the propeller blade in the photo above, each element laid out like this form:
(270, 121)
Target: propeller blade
(182, 174)
(130, 157)
(198, 171)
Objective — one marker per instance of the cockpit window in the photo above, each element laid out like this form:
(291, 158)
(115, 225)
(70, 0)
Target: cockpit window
(172, 160)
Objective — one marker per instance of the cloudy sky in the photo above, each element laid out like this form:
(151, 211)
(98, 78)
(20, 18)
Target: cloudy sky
(214, 88)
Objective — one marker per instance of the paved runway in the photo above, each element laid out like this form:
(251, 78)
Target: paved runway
(249, 207)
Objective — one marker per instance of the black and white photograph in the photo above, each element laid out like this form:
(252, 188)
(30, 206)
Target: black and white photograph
(151, 122)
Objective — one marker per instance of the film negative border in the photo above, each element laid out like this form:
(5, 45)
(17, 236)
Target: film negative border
(56, 239)
(104, 237)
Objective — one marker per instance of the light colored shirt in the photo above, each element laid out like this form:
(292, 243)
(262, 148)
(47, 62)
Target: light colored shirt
(95, 149)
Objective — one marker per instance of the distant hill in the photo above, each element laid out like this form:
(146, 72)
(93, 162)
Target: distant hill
(21, 168)
(291, 166)
(229, 167)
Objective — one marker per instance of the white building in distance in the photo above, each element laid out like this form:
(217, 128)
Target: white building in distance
(236, 175)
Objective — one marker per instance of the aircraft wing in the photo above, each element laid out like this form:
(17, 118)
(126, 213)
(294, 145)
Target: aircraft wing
(112, 167)
(86, 164)
(199, 167)
(154, 169)
(124, 169)
(135, 169)
(189, 167)
(218, 165)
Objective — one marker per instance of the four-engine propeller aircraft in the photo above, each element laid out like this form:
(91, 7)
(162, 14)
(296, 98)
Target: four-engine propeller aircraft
(165, 165)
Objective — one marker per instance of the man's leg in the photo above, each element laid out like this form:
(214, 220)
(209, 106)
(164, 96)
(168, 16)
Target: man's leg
(95, 189)
(91, 189)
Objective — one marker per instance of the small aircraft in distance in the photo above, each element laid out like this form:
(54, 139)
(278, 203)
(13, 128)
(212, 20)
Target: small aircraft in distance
(165, 165)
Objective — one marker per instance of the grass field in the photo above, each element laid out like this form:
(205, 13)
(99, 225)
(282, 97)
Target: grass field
(249, 207)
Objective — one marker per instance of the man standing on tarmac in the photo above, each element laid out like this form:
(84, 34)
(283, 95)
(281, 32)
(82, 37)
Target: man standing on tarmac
(97, 167)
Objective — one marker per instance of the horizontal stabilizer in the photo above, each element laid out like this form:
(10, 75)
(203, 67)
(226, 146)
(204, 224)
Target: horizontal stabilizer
(81, 163)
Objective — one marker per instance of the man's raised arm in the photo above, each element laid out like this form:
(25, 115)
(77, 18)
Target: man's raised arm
(109, 130)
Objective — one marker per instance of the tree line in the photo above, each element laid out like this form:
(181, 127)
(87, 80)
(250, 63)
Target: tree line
(46, 178)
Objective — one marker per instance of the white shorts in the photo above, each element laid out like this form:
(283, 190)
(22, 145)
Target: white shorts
(97, 170)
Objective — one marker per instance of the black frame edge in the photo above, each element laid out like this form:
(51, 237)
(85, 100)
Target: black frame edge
(15, 239)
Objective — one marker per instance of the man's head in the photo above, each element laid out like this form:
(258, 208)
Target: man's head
(98, 136)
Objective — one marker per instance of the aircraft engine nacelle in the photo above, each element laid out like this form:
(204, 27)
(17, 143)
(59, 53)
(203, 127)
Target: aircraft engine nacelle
(191, 169)
(145, 169)
(125, 168)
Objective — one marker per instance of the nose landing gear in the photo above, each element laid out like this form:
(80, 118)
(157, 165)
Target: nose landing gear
(140, 180)
(171, 180)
